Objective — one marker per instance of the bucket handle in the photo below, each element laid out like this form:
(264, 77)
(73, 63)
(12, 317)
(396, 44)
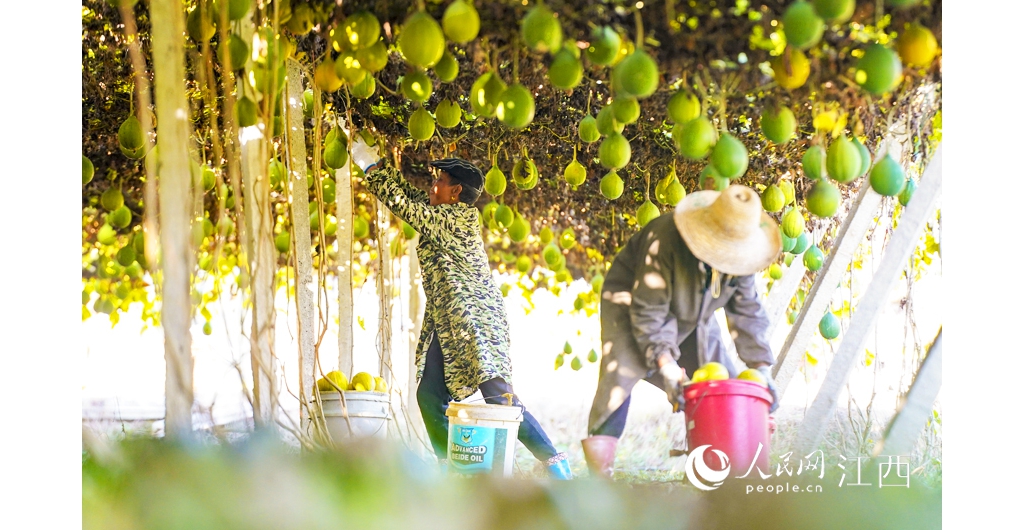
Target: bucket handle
(509, 397)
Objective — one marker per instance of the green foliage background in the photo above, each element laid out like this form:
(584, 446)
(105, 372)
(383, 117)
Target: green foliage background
(720, 50)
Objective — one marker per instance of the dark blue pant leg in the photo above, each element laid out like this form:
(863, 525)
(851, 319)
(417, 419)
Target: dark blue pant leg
(530, 432)
(433, 397)
(616, 421)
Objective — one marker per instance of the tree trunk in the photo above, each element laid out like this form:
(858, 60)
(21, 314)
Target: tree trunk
(175, 206)
(385, 284)
(300, 232)
(262, 255)
(413, 337)
(343, 194)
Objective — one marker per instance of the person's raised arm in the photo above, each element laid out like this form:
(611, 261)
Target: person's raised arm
(434, 223)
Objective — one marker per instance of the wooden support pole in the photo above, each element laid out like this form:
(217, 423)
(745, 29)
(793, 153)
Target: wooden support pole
(901, 245)
(263, 264)
(297, 175)
(385, 284)
(175, 196)
(851, 234)
(343, 196)
(782, 293)
(906, 424)
(413, 336)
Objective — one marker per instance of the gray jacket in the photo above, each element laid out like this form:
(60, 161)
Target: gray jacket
(670, 297)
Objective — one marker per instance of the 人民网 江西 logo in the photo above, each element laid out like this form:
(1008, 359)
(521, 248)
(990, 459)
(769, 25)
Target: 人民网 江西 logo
(700, 474)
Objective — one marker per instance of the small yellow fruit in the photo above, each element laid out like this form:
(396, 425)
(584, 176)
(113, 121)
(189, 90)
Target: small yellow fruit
(326, 77)
(917, 45)
(334, 376)
(363, 382)
(753, 376)
(379, 384)
(715, 371)
(791, 74)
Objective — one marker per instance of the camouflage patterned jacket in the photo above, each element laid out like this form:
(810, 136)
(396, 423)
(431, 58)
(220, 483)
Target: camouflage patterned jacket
(464, 306)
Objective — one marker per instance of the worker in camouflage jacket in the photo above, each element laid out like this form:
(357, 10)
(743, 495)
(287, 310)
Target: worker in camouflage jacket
(464, 343)
(658, 303)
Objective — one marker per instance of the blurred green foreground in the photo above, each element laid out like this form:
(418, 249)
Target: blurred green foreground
(261, 484)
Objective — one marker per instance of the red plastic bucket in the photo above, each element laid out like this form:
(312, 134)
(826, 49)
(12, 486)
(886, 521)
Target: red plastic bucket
(731, 416)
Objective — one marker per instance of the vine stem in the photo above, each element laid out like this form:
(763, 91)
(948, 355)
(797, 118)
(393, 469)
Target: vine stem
(515, 59)
(639, 28)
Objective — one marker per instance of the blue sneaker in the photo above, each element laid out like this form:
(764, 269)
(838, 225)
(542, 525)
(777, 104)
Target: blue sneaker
(558, 467)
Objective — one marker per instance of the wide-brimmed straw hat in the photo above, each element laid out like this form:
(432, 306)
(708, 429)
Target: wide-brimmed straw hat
(729, 230)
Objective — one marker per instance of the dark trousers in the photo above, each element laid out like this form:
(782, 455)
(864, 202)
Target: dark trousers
(433, 397)
(616, 422)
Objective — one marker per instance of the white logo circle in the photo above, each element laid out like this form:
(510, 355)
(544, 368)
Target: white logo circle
(697, 471)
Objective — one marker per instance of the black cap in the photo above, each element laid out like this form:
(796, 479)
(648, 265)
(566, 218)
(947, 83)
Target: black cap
(463, 171)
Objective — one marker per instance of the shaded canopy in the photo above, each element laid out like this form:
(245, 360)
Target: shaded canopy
(718, 50)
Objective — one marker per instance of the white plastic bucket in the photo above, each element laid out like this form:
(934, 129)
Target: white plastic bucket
(482, 438)
(367, 414)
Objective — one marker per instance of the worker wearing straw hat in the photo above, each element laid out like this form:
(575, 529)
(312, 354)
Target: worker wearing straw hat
(658, 303)
(464, 343)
